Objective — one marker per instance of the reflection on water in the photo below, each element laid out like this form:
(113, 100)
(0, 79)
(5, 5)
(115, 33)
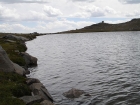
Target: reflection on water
(106, 65)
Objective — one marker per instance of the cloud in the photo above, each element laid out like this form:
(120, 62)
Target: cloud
(14, 28)
(94, 11)
(130, 1)
(52, 12)
(83, 0)
(8, 14)
(80, 15)
(133, 14)
(44, 27)
(23, 1)
(109, 10)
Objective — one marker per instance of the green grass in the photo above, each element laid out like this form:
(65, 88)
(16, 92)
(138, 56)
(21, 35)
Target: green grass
(12, 86)
(12, 48)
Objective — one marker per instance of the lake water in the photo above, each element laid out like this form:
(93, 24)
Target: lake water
(106, 65)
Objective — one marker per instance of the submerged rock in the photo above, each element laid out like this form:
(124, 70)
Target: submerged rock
(31, 99)
(39, 89)
(73, 93)
(5, 63)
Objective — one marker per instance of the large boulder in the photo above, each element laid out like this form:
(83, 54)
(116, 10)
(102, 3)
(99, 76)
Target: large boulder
(14, 37)
(73, 93)
(31, 99)
(5, 63)
(46, 102)
(30, 60)
(39, 89)
(30, 81)
(19, 70)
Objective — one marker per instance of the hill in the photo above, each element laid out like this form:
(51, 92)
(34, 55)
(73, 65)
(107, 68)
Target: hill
(133, 25)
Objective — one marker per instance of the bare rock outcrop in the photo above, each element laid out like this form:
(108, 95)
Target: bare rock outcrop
(19, 70)
(28, 100)
(5, 63)
(30, 81)
(39, 89)
(14, 37)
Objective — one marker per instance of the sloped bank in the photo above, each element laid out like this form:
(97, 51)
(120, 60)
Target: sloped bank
(16, 88)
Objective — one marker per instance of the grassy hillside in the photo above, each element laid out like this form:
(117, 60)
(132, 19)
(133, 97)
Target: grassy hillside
(133, 25)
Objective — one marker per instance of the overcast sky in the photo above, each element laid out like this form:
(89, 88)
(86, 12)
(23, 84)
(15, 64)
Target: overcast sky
(47, 16)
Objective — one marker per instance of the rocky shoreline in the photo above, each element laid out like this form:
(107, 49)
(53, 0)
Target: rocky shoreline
(39, 94)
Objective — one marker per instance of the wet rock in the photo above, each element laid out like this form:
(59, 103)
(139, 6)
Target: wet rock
(32, 80)
(94, 101)
(5, 63)
(14, 37)
(27, 72)
(87, 94)
(30, 60)
(73, 93)
(46, 102)
(31, 99)
(39, 89)
(19, 70)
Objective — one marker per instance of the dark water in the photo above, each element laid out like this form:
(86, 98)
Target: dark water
(105, 65)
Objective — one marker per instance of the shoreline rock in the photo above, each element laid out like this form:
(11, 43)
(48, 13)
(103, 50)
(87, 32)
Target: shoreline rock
(73, 93)
(30, 60)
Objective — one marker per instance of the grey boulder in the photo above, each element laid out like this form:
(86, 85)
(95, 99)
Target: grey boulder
(30, 81)
(30, 60)
(39, 89)
(19, 70)
(5, 63)
(73, 93)
(14, 37)
(46, 102)
(28, 100)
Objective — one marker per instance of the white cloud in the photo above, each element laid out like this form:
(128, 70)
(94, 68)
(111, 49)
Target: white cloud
(14, 28)
(23, 1)
(65, 25)
(81, 15)
(52, 12)
(83, 0)
(130, 1)
(44, 27)
(133, 14)
(8, 14)
(110, 10)
(93, 10)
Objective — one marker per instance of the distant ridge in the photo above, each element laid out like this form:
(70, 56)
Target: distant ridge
(133, 25)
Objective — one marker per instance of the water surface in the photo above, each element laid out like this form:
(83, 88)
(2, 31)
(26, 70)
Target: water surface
(106, 65)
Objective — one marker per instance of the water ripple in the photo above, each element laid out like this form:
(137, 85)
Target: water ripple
(105, 65)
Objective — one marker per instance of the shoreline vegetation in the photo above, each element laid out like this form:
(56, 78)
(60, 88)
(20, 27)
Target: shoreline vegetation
(15, 87)
(133, 25)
